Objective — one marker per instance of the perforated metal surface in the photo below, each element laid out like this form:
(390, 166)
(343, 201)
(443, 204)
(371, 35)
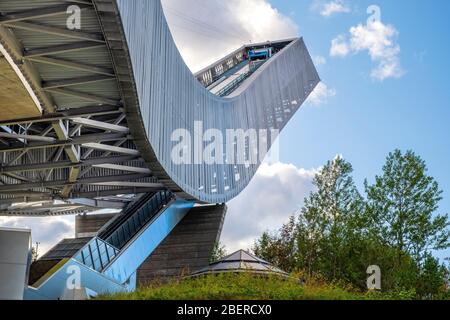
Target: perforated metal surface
(170, 98)
(125, 71)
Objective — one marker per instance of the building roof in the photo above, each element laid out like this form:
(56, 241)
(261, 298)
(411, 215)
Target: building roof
(241, 261)
(67, 248)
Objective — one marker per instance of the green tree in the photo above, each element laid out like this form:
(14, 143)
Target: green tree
(34, 254)
(432, 279)
(330, 220)
(264, 247)
(402, 204)
(338, 234)
(280, 248)
(218, 252)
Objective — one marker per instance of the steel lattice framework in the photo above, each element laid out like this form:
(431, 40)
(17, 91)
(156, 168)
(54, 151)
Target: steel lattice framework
(111, 95)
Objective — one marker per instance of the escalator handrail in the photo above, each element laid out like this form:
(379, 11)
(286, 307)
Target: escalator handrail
(129, 211)
(166, 197)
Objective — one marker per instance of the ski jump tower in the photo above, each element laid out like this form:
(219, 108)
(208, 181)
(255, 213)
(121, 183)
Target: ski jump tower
(87, 122)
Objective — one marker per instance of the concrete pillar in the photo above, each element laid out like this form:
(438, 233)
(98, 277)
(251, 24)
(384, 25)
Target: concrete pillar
(188, 248)
(87, 226)
(15, 259)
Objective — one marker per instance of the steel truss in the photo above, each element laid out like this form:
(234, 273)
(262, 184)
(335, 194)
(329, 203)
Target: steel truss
(79, 156)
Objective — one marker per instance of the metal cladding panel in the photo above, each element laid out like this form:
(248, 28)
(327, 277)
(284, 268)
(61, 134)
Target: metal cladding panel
(171, 98)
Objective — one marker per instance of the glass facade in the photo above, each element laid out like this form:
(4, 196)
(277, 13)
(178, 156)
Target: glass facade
(136, 218)
(97, 254)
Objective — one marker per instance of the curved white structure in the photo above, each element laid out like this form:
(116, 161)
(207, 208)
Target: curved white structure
(171, 98)
(112, 95)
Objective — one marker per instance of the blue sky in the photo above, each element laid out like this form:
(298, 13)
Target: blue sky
(360, 117)
(367, 119)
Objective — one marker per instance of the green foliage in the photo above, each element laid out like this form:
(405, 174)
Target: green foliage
(338, 233)
(244, 287)
(34, 254)
(432, 280)
(330, 220)
(328, 236)
(398, 294)
(218, 252)
(402, 205)
(279, 249)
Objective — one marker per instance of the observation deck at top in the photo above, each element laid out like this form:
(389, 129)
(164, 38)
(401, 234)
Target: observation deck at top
(88, 114)
(224, 76)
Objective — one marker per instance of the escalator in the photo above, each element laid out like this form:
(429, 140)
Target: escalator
(103, 249)
(108, 261)
(135, 217)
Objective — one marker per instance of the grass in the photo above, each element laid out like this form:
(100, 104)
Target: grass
(248, 287)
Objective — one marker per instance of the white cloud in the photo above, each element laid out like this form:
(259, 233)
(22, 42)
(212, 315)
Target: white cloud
(319, 60)
(321, 94)
(339, 47)
(276, 192)
(48, 231)
(379, 40)
(207, 30)
(330, 8)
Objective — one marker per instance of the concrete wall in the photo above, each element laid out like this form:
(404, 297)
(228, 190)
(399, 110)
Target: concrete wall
(15, 246)
(187, 248)
(88, 225)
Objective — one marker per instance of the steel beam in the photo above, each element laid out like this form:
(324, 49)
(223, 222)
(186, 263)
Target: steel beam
(95, 162)
(72, 65)
(114, 192)
(62, 32)
(110, 166)
(84, 139)
(85, 96)
(75, 81)
(74, 174)
(101, 204)
(92, 111)
(100, 125)
(62, 48)
(116, 179)
(104, 147)
(63, 135)
(36, 13)
(40, 211)
(128, 184)
(26, 137)
(117, 144)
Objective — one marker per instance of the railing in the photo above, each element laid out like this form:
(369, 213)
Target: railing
(97, 254)
(229, 88)
(137, 218)
(131, 209)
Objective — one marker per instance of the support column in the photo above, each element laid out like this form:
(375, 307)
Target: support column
(188, 248)
(15, 258)
(87, 226)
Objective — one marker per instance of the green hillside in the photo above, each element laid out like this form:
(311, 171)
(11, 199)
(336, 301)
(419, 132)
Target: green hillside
(247, 287)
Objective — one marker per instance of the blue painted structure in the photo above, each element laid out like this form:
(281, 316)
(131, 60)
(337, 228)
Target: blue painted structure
(260, 54)
(119, 273)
